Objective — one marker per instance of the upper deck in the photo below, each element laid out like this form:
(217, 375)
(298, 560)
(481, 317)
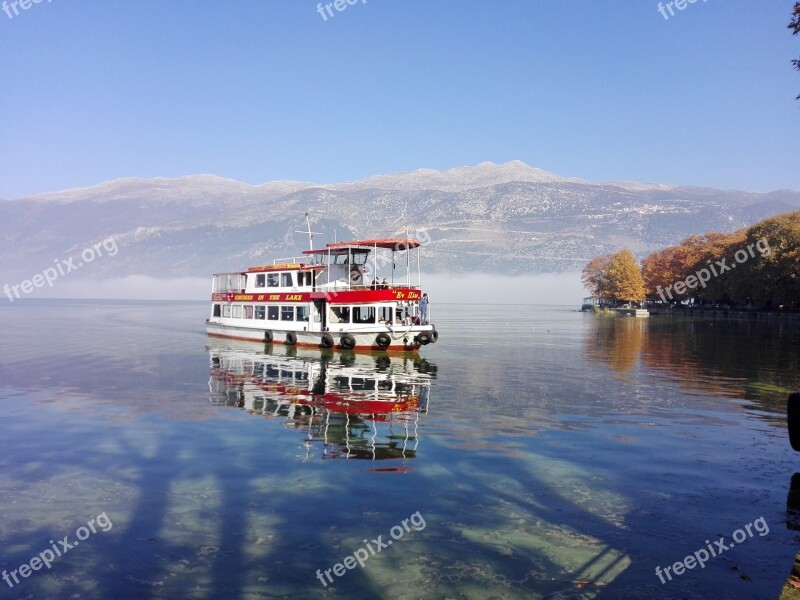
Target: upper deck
(342, 272)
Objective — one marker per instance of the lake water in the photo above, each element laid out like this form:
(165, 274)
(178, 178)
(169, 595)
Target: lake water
(533, 452)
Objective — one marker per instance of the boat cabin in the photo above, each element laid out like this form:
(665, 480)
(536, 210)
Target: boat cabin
(344, 287)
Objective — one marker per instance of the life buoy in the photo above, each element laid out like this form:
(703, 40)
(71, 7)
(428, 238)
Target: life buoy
(423, 338)
(434, 336)
(355, 274)
(383, 340)
(793, 420)
(326, 341)
(291, 338)
(347, 341)
(267, 337)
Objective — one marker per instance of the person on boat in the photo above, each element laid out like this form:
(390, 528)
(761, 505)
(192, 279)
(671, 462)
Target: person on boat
(376, 284)
(385, 284)
(423, 309)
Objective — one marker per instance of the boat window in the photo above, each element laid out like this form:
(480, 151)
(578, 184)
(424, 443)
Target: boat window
(341, 259)
(272, 313)
(248, 312)
(340, 314)
(226, 310)
(363, 314)
(261, 280)
(362, 384)
(286, 280)
(305, 278)
(386, 313)
(217, 311)
(287, 313)
(272, 280)
(360, 258)
(261, 312)
(302, 313)
(236, 313)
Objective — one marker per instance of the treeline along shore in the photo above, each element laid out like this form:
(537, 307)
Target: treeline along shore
(752, 270)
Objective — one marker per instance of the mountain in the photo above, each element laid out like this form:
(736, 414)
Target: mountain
(509, 219)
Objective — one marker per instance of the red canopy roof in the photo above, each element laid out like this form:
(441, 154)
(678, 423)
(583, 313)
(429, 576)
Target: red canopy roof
(399, 244)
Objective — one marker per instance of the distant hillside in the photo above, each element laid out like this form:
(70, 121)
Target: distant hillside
(509, 218)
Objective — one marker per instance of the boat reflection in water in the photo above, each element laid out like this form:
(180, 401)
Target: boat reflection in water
(349, 405)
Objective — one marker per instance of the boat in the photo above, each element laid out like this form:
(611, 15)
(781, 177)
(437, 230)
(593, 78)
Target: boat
(346, 404)
(329, 298)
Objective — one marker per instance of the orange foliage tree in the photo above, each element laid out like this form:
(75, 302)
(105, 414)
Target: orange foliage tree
(755, 266)
(616, 277)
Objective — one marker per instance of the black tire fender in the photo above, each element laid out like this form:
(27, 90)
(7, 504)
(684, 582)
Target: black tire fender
(291, 338)
(383, 340)
(326, 341)
(347, 341)
(423, 338)
(267, 337)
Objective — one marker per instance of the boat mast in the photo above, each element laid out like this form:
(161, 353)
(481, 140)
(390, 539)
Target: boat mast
(309, 233)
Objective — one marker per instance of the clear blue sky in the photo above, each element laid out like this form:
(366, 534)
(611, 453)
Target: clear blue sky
(267, 89)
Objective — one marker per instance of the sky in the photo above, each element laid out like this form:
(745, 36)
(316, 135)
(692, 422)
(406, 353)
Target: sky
(273, 89)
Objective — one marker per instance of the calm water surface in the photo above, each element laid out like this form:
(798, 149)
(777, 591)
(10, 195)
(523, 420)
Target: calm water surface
(533, 452)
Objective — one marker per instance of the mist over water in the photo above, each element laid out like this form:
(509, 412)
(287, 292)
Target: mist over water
(545, 288)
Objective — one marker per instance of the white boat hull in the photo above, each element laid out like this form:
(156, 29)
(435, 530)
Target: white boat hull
(403, 337)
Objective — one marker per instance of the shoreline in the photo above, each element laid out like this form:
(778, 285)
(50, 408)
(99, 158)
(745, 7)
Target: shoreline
(726, 313)
(754, 314)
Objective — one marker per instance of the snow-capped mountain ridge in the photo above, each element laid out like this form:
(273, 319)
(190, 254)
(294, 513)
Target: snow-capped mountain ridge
(509, 218)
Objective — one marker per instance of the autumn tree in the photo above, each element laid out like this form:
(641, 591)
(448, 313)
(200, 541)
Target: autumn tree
(714, 247)
(594, 276)
(623, 278)
(756, 266)
(663, 268)
(774, 279)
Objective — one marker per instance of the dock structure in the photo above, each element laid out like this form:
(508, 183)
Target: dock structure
(591, 303)
(632, 312)
(597, 305)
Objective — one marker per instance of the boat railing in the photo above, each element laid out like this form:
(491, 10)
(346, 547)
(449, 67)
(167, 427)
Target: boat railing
(343, 285)
(290, 260)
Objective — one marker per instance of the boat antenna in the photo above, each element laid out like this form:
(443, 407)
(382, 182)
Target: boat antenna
(310, 233)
